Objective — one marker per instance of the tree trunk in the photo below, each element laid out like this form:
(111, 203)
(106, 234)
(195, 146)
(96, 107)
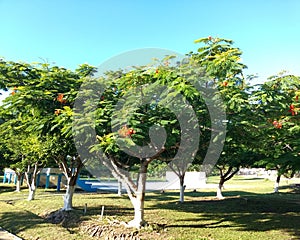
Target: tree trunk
(68, 198)
(219, 189)
(231, 171)
(136, 192)
(139, 199)
(276, 186)
(180, 171)
(18, 184)
(32, 190)
(138, 205)
(31, 183)
(119, 188)
(71, 173)
(182, 188)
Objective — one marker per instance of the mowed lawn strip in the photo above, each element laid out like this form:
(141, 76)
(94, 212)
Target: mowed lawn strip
(247, 212)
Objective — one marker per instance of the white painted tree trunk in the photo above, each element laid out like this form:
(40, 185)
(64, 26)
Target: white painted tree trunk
(68, 198)
(119, 188)
(71, 174)
(182, 187)
(136, 192)
(18, 183)
(18, 186)
(276, 185)
(31, 183)
(138, 204)
(32, 190)
(181, 197)
(219, 191)
(139, 199)
(31, 195)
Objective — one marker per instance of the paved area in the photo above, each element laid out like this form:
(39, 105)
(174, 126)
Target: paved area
(4, 235)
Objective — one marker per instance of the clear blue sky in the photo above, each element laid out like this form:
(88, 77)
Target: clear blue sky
(70, 33)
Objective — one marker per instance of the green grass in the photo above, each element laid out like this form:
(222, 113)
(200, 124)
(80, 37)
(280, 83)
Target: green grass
(249, 211)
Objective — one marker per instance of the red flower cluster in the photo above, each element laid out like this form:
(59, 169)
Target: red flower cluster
(126, 132)
(60, 98)
(293, 110)
(225, 84)
(277, 124)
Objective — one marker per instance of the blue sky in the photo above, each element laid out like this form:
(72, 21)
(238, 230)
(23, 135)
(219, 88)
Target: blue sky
(70, 33)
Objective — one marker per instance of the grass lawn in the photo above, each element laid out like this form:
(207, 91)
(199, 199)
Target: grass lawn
(249, 211)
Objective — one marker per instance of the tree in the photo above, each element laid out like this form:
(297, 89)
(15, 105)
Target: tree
(41, 93)
(62, 148)
(64, 153)
(142, 115)
(25, 152)
(222, 64)
(276, 107)
(7, 160)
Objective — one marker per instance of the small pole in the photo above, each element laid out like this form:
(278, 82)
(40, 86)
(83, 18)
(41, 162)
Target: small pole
(85, 208)
(102, 212)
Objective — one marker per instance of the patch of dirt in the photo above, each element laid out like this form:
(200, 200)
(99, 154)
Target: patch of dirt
(116, 230)
(107, 228)
(65, 218)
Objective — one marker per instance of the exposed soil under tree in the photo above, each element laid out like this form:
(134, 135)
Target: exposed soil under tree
(107, 228)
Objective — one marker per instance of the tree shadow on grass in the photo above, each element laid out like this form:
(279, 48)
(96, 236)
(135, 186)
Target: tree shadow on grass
(109, 211)
(294, 188)
(244, 211)
(17, 221)
(29, 225)
(6, 188)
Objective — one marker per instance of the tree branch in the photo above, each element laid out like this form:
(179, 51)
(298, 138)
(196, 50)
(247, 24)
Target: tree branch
(232, 174)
